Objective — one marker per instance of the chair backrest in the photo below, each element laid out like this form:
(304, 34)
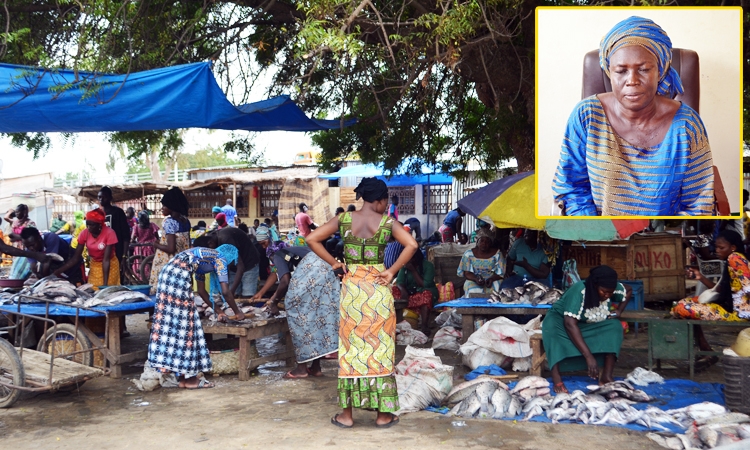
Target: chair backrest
(687, 65)
(685, 62)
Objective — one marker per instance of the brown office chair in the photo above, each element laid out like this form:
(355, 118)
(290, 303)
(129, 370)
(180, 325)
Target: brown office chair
(687, 65)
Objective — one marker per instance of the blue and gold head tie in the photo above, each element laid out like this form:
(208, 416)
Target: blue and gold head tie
(647, 34)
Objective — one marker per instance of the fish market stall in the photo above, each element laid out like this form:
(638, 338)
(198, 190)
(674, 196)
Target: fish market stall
(471, 308)
(248, 331)
(52, 297)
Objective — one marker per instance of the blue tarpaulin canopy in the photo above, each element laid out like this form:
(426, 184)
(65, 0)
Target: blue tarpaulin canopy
(186, 96)
(373, 170)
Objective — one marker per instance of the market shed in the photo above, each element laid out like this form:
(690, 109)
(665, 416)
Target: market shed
(256, 193)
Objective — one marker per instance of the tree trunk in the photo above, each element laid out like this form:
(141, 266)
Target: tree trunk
(152, 161)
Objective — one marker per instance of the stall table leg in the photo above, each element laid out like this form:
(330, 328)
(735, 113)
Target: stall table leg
(113, 327)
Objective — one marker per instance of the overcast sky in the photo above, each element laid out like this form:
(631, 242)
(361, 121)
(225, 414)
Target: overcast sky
(92, 150)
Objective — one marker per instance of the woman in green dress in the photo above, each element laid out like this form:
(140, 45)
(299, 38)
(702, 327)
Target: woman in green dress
(576, 332)
(367, 325)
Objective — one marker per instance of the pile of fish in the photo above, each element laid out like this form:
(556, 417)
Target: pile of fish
(708, 425)
(486, 397)
(531, 293)
(60, 291)
(607, 404)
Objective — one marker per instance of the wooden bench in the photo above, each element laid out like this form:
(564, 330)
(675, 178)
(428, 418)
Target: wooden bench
(248, 332)
(538, 357)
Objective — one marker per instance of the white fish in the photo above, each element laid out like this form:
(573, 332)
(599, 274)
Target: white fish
(514, 408)
(500, 401)
(729, 418)
(530, 382)
(463, 390)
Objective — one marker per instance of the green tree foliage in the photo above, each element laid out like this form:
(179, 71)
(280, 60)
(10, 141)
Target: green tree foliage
(443, 81)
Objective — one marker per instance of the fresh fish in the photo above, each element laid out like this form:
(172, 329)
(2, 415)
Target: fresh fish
(697, 411)
(620, 389)
(536, 402)
(463, 390)
(514, 408)
(670, 442)
(501, 402)
(734, 418)
(530, 382)
(519, 290)
(558, 414)
(484, 393)
(536, 286)
(507, 292)
(469, 406)
(551, 296)
(642, 377)
(559, 399)
(708, 436)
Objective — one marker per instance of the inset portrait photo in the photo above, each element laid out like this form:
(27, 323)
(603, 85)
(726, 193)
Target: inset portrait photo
(638, 112)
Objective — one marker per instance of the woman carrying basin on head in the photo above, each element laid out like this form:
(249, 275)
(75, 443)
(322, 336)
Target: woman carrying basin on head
(635, 150)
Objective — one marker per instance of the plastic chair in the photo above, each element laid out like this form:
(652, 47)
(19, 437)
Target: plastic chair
(709, 268)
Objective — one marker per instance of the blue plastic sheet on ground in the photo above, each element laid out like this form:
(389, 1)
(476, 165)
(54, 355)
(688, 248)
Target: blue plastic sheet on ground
(39, 309)
(673, 394)
(484, 303)
(492, 369)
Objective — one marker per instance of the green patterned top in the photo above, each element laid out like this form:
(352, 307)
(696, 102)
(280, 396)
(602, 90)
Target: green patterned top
(364, 251)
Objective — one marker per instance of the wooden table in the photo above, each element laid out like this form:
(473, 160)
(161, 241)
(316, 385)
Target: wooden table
(248, 331)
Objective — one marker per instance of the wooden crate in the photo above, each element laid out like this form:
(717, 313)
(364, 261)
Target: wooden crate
(657, 259)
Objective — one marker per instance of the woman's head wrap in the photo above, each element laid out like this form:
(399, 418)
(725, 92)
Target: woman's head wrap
(599, 276)
(647, 34)
(484, 233)
(216, 210)
(96, 216)
(175, 200)
(261, 234)
(79, 216)
(221, 218)
(143, 220)
(371, 190)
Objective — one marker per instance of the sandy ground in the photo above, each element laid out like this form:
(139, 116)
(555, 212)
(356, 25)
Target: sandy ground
(277, 413)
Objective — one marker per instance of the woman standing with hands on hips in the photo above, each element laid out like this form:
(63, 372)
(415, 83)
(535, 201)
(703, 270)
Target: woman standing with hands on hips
(367, 330)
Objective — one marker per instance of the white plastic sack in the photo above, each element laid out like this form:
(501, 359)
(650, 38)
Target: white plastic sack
(406, 335)
(447, 338)
(449, 318)
(482, 357)
(422, 380)
(499, 339)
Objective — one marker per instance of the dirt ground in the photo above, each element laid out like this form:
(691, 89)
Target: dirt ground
(277, 413)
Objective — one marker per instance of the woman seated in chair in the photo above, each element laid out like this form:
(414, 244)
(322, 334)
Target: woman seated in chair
(576, 333)
(481, 266)
(635, 150)
(730, 299)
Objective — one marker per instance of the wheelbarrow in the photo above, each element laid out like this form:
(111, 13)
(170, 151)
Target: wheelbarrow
(62, 362)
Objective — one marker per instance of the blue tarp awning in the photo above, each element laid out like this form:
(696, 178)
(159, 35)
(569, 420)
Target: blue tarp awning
(186, 96)
(373, 170)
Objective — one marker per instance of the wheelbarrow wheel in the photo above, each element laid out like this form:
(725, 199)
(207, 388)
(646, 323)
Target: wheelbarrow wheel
(145, 268)
(11, 372)
(65, 341)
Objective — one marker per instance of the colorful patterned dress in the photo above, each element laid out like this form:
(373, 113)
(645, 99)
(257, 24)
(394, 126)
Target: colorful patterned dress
(600, 173)
(177, 343)
(21, 268)
(181, 230)
(312, 308)
(739, 273)
(367, 327)
(484, 268)
(601, 335)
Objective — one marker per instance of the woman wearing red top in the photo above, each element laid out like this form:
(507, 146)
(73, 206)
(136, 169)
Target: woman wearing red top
(100, 241)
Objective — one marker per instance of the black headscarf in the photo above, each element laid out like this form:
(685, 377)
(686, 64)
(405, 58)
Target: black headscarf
(725, 286)
(175, 200)
(599, 276)
(143, 220)
(371, 190)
